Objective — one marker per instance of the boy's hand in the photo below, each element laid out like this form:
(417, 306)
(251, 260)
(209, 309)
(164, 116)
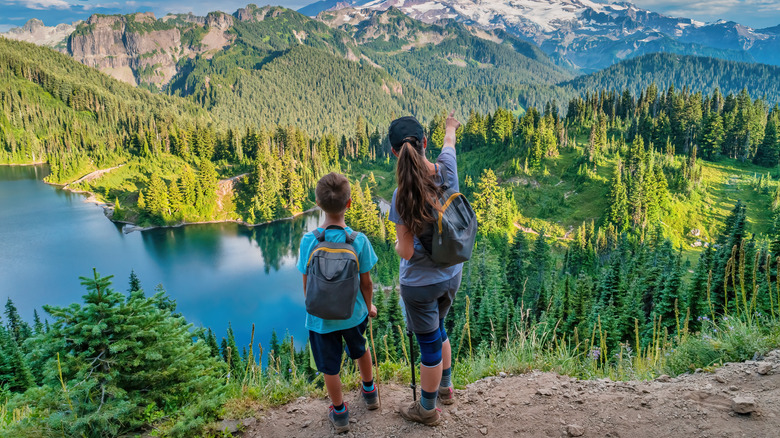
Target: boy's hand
(452, 122)
(372, 311)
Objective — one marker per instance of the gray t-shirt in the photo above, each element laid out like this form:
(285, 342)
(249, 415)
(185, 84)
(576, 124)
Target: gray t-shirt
(420, 270)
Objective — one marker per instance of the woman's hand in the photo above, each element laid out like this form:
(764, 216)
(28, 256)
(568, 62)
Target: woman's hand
(451, 122)
(450, 126)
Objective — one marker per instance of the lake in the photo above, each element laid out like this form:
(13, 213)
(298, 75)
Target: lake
(217, 273)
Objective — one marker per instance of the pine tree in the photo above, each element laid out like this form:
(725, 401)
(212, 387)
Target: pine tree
(769, 149)
(211, 340)
(119, 355)
(697, 300)
(134, 282)
(618, 205)
(141, 201)
(712, 140)
(37, 324)
(15, 374)
(395, 319)
(17, 328)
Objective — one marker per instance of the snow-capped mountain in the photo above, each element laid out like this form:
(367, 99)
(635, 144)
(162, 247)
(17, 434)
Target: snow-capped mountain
(586, 34)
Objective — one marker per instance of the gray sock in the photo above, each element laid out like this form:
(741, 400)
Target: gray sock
(428, 399)
(446, 378)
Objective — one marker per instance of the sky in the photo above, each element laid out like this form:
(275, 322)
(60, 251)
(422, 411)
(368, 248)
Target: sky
(754, 13)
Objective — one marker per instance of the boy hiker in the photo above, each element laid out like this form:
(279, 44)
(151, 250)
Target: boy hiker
(335, 262)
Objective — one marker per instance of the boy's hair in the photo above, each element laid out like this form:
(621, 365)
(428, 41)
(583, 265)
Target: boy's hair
(333, 193)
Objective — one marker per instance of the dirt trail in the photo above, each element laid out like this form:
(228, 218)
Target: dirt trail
(536, 233)
(92, 175)
(549, 405)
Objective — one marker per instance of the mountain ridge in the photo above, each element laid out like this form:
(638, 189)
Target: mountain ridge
(567, 28)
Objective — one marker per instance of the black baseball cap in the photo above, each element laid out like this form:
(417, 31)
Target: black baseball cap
(402, 128)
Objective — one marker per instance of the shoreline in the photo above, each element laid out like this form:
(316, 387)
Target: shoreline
(37, 163)
(108, 208)
(108, 211)
(134, 227)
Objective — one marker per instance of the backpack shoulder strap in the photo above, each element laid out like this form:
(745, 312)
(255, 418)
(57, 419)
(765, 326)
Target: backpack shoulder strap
(351, 236)
(317, 235)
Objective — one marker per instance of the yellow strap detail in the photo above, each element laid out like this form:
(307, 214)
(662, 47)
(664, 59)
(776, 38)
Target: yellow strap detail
(446, 204)
(335, 250)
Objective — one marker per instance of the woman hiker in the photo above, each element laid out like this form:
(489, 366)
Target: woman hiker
(427, 289)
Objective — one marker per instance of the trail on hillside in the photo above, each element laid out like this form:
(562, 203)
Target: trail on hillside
(91, 176)
(545, 404)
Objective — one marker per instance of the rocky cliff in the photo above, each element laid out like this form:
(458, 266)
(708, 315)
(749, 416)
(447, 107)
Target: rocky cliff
(142, 50)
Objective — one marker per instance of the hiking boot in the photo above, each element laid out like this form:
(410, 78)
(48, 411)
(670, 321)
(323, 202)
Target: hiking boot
(340, 421)
(371, 398)
(415, 412)
(446, 395)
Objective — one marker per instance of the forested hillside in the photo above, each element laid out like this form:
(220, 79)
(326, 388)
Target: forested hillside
(290, 69)
(77, 119)
(695, 73)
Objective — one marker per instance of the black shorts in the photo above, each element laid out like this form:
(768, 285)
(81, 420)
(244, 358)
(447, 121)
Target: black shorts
(327, 347)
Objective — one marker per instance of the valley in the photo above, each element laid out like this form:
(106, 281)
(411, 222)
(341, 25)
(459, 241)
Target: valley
(623, 166)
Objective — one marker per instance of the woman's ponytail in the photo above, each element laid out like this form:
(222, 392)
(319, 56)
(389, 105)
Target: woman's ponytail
(418, 195)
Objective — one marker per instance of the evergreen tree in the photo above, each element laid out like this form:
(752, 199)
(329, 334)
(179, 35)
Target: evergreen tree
(15, 375)
(134, 282)
(118, 355)
(618, 200)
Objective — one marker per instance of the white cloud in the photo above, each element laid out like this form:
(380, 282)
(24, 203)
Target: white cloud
(46, 4)
(6, 27)
(750, 12)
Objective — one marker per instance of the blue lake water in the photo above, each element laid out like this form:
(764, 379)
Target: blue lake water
(217, 273)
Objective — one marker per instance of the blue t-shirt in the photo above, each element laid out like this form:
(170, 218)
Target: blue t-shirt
(420, 270)
(366, 258)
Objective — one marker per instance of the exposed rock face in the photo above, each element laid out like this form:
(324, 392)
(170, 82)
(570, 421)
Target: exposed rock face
(219, 20)
(34, 31)
(251, 13)
(140, 49)
(114, 44)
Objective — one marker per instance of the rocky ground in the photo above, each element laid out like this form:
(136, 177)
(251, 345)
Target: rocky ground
(737, 400)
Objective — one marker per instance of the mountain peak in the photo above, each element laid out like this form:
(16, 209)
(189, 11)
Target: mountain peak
(586, 34)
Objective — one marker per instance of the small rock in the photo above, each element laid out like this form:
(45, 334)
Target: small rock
(502, 374)
(306, 424)
(229, 426)
(663, 378)
(544, 391)
(483, 430)
(720, 379)
(743, 405)
(764, 368)
(575, 430)
(733, 388)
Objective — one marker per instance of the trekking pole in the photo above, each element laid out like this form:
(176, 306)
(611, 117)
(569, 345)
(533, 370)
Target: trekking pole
(411, 364)
(376, 364)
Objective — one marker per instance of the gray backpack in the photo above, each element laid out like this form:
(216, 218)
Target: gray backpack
(455, 230)
(333, 278)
